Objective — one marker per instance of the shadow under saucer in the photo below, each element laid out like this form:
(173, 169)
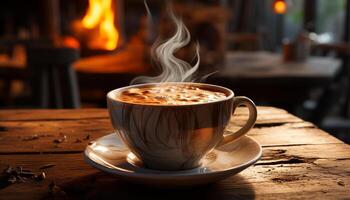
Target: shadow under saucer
(103, 186)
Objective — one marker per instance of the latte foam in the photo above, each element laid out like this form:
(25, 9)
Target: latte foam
(170, 95)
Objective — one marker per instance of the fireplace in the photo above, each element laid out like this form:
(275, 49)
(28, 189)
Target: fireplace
(115, 36)
(86, 24)
(99, 29)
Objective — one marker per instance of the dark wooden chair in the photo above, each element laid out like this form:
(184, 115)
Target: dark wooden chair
(339, 125)
(12, 71)
(333, 108)
(52, 79)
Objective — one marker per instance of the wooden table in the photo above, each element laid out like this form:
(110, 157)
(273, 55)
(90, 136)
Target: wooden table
(264, 76)
(299, 161)
(271, 65)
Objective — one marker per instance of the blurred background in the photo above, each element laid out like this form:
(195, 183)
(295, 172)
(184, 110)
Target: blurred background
(292, 54)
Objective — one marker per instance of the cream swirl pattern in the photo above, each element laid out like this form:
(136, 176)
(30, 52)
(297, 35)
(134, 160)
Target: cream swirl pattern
(170, 94)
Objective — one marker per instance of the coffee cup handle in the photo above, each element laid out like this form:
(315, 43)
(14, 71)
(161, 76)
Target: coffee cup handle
(238, 101)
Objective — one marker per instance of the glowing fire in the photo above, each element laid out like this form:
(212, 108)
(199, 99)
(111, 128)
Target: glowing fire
(100, 15)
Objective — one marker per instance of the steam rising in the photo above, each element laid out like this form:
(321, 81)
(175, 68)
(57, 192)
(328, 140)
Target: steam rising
(172, 68)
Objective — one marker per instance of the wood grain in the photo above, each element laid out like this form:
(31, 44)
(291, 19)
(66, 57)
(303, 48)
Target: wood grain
(284, 171)
(47, 115)
(299, 161)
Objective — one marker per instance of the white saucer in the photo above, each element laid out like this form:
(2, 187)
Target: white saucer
(110, 155)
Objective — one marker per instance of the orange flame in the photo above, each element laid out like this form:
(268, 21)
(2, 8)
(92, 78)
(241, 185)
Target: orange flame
(100, 15)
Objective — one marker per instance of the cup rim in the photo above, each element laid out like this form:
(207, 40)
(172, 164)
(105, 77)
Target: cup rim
(110, 93)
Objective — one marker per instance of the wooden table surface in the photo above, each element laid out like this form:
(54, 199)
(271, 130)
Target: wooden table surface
(299, 161)
(263, 64)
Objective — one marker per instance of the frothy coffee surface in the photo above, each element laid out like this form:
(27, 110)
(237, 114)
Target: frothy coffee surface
(170, 95)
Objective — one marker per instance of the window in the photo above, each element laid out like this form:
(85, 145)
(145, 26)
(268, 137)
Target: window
(330, 20)
(293, 19)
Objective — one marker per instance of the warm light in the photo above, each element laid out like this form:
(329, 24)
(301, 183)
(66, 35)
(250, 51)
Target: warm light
(99, 148)
(93, 14)
(100, 15)
(279, 6)
(70, 42)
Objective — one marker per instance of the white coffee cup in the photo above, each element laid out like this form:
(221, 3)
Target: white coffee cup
(176, 137)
